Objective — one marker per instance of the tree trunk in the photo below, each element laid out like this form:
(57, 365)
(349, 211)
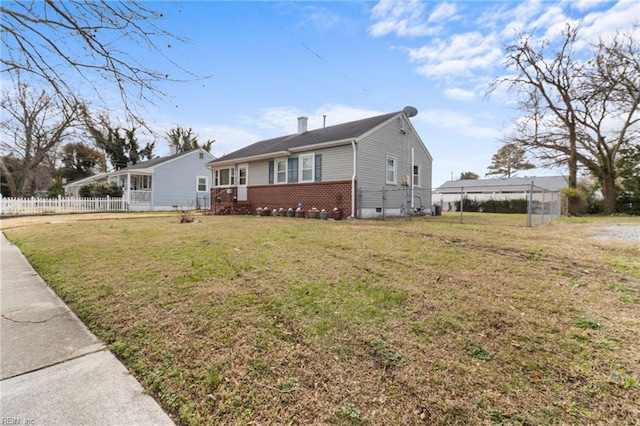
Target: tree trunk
(573, 158)
(609, 194)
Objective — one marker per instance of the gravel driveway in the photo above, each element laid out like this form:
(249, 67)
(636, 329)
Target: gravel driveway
(630, 233)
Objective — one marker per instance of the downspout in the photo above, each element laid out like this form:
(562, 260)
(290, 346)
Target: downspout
(353, 179)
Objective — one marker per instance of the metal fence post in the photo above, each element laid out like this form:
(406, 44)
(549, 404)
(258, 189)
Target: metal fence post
(384, 203)
(530, 206)
(461, 202)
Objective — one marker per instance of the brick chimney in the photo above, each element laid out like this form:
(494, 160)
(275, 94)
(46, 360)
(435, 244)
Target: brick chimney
(302, 124)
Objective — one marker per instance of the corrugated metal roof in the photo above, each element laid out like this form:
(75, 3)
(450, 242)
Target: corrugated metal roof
(338, 132)
(515, 184)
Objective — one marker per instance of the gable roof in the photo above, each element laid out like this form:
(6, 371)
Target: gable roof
(515, 184)
(338, 132)
(144, 165)
(161, 160)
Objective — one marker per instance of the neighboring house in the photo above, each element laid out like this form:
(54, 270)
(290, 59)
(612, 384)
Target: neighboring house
(447, 194)
(164, 183)
(349, 166)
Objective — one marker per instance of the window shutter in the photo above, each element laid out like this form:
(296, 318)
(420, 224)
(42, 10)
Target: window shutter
(271, 172)
(293, 169)
(318, 167)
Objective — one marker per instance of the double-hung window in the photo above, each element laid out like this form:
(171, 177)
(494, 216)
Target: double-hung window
(391, 170)
(416, 175)
(202, 183)
(306, 168)
(281, 170)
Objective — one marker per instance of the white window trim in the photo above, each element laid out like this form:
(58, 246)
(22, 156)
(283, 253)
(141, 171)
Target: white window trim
(419, 184)
(232, 180)
(206, 183)
(395, 170)
(313, 167)
(286, 171)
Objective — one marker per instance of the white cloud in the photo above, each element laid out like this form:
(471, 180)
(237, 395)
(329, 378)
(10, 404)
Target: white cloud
(400, 17)
(273, 122)
(459, 94)
(622, 16)
(228, 138)
(587, 4)
(457, 55)
(460, 123)
(320, 18)
(520, 17)
(443, 12)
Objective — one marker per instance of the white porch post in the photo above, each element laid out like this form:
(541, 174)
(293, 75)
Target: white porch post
(129, 188)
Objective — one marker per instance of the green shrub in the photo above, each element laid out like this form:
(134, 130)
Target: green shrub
(494, 206)
(101, 190)
(469, 205)
(577, 200)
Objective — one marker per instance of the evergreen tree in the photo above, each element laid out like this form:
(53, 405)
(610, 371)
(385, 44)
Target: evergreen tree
(508, 160)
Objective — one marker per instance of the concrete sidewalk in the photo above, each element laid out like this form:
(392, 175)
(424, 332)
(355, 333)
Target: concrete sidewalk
(52, 369)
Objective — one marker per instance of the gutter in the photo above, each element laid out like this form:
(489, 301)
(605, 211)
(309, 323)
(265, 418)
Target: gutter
(214, 164)
(321, 145)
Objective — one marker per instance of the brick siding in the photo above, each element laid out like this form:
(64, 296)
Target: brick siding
(322, 195)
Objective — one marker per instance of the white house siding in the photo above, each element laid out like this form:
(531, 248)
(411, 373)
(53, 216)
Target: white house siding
(174, 182)
(371, 174)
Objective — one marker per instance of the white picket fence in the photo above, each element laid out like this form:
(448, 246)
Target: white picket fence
(35, 206)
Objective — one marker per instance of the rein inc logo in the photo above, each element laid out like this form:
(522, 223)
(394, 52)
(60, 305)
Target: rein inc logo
(16, 421)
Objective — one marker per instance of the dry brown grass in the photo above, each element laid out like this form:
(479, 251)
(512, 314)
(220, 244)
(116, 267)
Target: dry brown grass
(245, 320)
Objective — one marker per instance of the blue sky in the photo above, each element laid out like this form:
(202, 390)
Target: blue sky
(270, 62)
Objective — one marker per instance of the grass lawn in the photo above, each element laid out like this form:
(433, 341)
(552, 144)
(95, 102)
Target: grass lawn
(259, 320)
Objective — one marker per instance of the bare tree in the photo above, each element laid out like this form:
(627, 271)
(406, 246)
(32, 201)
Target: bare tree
(508, 160)
(35, 127)
(545, 82)
(577, 112)
(64, 43)
(608, 110)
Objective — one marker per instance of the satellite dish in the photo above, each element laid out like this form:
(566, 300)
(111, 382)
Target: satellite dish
(410, 111)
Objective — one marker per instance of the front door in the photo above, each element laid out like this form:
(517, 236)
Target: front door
(242, 182)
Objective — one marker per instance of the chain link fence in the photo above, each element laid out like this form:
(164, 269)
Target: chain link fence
(393, 202)
(541, 205)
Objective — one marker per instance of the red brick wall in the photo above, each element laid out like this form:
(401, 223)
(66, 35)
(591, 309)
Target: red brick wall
(323, 195)
(221, 195)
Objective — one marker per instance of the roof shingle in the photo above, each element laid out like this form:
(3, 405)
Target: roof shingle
(350, 130)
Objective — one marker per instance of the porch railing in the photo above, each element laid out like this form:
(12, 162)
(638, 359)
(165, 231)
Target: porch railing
(139, 197)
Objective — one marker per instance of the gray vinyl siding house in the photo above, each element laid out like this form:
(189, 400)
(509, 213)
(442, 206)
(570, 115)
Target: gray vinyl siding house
(164, 183)
(347, 166)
